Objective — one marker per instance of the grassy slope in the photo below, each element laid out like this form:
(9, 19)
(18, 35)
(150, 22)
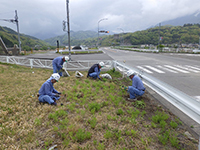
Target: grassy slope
(95, 115)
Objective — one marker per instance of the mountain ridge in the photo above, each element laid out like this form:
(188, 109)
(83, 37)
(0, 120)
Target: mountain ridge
(180, 21)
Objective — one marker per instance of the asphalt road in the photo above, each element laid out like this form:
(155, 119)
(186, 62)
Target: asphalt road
(51, 55)
(181, 71)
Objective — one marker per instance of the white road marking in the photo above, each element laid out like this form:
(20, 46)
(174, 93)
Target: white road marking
(167, 69)
(180, 70)
(173, 69)
(197, 98)
(187, 68)
(193, 67)
(140, 67)
(155, 69)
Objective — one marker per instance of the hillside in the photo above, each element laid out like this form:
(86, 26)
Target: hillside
(10, 37)
(75, 37)
(188, 33)
(180, 21)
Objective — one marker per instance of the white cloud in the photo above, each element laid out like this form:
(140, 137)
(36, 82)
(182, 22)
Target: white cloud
(40, 18)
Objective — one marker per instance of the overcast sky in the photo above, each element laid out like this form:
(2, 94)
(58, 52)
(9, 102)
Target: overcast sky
(43, 18)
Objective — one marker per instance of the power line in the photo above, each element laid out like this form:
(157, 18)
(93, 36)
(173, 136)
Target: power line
(9, 20)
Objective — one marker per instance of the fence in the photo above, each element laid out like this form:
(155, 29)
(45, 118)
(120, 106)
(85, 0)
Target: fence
(41, 63)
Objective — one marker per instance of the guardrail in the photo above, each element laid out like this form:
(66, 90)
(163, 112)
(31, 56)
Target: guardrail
(182, 101)
(42, 63)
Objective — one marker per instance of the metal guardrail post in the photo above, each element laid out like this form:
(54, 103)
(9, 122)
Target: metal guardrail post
(31, 63)
(7, 59)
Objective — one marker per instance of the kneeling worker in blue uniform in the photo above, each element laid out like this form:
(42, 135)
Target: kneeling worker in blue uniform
(47, 93)
(95, 70)
(137, 88)
(58, 64)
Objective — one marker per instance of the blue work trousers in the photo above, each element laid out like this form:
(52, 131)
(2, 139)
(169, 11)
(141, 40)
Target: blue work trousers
(56, 69)
(47, 98)
(94, 74)
(133, 92)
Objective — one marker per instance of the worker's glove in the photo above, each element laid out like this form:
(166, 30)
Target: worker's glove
(124, 87)
(59, 93)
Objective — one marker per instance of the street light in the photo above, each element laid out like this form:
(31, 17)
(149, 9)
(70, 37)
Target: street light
(98, 30)
(122, 35)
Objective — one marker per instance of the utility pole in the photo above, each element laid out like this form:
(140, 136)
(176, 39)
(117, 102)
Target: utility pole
(199, 42)
(67, 7)
(159, 36)
(16, 20)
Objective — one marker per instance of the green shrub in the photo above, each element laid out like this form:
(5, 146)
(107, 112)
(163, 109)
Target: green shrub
(140, 104)
(163, 124)
(159, 117)
(133, 132)
(81, 135)
(173, 124)
(92, 122)
(94, 106)
(119, 112)
(153, 125)
(174, 142)
(101, 146)
(37, 121)
(108, 134)
(164, 138)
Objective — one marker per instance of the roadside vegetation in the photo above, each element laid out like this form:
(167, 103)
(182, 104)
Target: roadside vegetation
(148, 50)
(94, 115)
(172, 35)
(81, 52)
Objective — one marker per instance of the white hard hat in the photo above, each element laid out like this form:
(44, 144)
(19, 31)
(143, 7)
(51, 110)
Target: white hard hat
(130, 72)
(56, 76)
(101, 63)
(66, 58)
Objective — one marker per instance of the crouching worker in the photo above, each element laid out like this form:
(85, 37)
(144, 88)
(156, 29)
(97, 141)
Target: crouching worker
(137, 88)
(58, 64)
(47, 93)
(95, 70)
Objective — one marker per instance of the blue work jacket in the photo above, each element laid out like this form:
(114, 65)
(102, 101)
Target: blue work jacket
(47, 88)
(58, 61)
(137, 83)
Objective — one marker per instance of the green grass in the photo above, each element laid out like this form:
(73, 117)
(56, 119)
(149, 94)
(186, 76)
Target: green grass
(94, 115)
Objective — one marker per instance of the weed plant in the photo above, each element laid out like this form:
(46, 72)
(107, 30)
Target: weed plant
(94, 115)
